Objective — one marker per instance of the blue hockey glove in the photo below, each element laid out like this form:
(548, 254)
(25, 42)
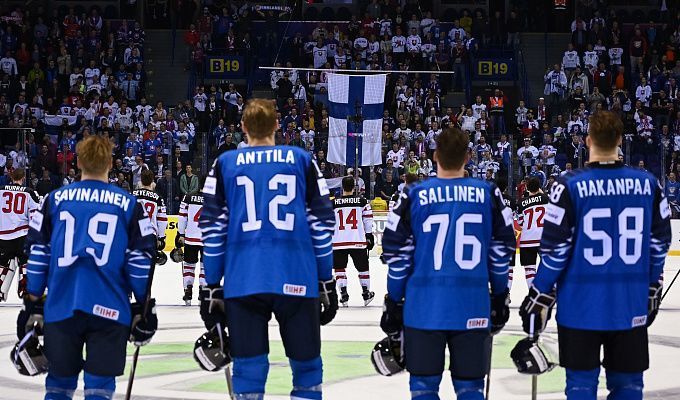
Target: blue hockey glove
(653, 302)
(392, 320)
(540, 306)
(212, 306)
(328, 297)
(143, 327)
(31, 313)
(500, 311)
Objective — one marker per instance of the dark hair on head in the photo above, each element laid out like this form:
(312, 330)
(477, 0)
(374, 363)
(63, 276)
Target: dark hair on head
(147, 177)
(410, 178)
(452, 148)
(348, 183)
(533, 184)
(502, 184)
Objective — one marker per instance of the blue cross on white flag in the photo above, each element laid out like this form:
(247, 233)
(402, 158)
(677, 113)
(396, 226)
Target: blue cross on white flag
(347, 140)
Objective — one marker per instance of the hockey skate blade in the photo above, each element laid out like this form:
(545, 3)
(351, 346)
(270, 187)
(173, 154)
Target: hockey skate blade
(344, 304)
(369, 300)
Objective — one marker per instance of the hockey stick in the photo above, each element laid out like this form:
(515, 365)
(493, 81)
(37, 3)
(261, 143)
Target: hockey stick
(534, 378)
(488, 374)
(669, 286)
(147, 302)
(230, 387)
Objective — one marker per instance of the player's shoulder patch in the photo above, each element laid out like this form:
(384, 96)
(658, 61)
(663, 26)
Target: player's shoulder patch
(145, 227)
(210, 185)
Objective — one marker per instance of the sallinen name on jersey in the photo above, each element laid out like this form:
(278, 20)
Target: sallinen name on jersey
(440, 194)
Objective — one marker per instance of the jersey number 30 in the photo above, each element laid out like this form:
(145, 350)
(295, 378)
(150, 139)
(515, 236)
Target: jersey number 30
(461, 240)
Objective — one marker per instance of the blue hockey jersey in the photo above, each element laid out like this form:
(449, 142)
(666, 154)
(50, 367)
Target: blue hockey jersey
(605, 237)
(267, 223)
(445, 242)
(90, 244)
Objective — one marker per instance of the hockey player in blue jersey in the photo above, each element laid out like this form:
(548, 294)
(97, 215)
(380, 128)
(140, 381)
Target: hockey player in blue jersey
(90, 244)
(267, 225)
(605, 238)
(448, 242)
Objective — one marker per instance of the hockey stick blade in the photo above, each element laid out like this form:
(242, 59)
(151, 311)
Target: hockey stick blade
(670, 286)
(147, 302)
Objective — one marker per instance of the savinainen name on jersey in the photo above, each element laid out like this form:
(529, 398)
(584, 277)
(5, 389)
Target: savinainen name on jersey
(609, 187)
(440, 194)
(265, 156)
(93, 195)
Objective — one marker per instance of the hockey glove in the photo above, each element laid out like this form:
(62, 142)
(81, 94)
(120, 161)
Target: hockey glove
(179, 241)
(328, 297)
(31, 314)
(161, 243)
(392, 320)
(540, 306)
(653, 302)
(143, 327)
(500, 312)
(212, 306)
(370, 239)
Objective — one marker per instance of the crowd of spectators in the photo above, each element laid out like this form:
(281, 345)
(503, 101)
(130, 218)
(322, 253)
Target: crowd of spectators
(86, 76)
(64, 77)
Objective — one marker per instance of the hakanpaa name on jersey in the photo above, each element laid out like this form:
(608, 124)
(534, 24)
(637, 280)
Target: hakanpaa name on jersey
(445, 242)
(605, 239)
(17, 203)
(76, 243)
(267, 223)
(190, 210)
(154, 205)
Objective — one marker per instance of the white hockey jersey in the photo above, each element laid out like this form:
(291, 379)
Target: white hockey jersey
(320, 56)
(154, 206)
(570, 59)
(17, 203)
(615, 54)
(187, 224)
(353, 220)
(590, 59)
(530, 214)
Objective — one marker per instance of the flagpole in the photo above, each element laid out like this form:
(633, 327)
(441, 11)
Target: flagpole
(356, 71)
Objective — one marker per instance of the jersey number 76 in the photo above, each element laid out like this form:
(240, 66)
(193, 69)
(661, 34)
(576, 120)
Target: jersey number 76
(460, 241)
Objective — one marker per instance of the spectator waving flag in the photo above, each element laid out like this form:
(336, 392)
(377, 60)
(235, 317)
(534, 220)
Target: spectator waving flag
(348, 138)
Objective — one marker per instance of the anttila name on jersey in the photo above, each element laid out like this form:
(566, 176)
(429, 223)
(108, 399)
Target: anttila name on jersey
(265, 156)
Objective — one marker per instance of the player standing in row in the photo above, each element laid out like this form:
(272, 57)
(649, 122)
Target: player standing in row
(353, 237)
(90, 244)
(189, 236)
(267, 226)
(17, 202)
(446, 242)
(154, 205)
(606, 235)
(531, 212)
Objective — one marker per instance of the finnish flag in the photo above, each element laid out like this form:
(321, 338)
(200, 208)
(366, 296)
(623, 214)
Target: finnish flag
(347, 95)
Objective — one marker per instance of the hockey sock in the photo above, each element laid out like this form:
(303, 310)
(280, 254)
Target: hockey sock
(188, 274)
(365, 280)
(424, 387)
(249, 376)
(510, 278)
(341, 278)
(201, 276)
(22, 282)
(582, 385)
(469, 389)
(624, 386)
(307, 376)
(529, 274)
(60, 388)
(99, 387)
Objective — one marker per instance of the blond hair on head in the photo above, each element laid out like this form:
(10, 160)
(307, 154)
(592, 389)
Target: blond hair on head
(259, 118)
(94, 154)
